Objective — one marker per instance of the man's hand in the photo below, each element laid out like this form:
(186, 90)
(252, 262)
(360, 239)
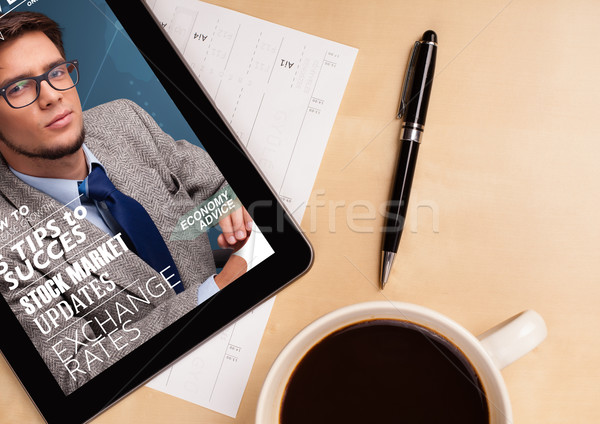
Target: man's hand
(236, 229)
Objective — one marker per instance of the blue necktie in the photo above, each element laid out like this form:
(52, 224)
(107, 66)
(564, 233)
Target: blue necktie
(141, 234)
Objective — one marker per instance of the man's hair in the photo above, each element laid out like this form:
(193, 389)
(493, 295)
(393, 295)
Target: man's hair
(15, 24)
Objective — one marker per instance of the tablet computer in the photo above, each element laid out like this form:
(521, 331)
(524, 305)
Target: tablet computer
(133, 225)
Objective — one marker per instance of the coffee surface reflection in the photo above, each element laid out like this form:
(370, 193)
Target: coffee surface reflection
(384, 371)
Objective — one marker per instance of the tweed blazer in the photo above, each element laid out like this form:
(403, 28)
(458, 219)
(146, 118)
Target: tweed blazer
(123, 302)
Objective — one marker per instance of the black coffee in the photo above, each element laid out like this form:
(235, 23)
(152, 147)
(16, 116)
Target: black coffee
(384, 371)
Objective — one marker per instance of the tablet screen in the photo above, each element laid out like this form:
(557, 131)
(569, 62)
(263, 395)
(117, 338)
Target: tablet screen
(114, 220)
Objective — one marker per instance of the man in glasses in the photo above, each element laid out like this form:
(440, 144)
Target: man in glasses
(86, 179)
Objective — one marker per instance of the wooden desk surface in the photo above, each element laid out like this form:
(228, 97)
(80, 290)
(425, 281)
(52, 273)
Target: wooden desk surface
(505, 201)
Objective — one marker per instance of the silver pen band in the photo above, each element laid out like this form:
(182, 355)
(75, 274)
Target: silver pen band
(411, 132)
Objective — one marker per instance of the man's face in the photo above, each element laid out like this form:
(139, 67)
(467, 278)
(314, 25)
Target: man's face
(52, 126)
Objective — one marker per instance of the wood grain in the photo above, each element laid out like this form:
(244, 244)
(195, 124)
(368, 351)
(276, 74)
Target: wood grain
(505, 198)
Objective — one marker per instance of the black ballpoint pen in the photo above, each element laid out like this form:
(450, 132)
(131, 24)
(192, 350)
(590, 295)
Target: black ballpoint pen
(413, 109)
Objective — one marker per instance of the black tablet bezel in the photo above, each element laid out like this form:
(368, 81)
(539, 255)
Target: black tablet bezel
(293, 254)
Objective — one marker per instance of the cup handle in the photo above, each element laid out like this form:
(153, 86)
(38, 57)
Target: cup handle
(513, 338)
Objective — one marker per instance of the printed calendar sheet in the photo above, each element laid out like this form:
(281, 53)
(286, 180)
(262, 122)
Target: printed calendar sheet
(280, 90)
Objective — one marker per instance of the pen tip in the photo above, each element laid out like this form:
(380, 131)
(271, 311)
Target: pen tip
(384, 280)
(430, 36)
(386, 267)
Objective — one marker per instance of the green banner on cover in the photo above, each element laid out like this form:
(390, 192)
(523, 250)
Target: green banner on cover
(206, 215)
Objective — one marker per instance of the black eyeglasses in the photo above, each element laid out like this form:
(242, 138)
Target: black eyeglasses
(24, 92)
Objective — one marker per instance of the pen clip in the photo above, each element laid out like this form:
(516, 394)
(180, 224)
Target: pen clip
(409, 69)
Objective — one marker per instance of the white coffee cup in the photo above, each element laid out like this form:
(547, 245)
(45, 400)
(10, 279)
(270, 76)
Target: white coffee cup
(488, 353)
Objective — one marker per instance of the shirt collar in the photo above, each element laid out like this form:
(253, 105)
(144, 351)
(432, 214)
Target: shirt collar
(62, 190)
